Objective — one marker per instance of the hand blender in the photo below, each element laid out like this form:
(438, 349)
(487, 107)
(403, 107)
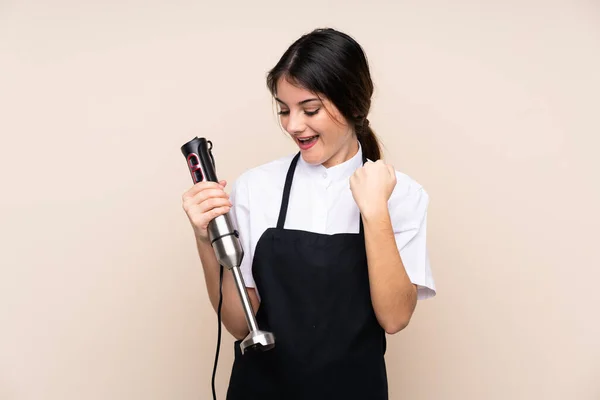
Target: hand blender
(225, 241)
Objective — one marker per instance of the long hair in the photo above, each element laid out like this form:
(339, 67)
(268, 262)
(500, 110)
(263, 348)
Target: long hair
(331, 63)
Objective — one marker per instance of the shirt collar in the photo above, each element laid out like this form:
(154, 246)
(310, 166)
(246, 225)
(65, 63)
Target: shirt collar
(335, 173)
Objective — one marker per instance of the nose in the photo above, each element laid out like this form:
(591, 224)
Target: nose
(295, 124)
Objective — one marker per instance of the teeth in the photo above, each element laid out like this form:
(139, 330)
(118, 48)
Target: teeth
(307, 139)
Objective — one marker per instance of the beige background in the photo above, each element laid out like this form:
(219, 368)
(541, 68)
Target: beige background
(492, 106)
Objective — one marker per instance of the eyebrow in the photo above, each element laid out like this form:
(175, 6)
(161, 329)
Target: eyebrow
(300, 103)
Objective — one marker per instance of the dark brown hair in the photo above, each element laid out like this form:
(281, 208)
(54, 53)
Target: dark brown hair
(331, 63)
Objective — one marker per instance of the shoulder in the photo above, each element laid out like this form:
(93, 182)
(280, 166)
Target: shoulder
(407, 187)
(409, 201)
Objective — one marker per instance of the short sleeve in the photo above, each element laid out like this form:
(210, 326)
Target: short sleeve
(240, 213)
(409, 220)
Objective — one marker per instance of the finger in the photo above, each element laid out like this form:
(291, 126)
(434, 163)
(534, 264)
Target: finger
(204, 219)
(206, 207)
(204, 195)
(215, 212)
(356, 173)
(203, 185)
(391, 170)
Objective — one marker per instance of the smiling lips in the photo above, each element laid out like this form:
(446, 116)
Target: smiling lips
(307, 142)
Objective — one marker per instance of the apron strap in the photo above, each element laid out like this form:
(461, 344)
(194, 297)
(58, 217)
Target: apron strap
(286, 192)
(361, 229)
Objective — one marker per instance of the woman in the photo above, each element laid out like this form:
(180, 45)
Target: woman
(334, 239)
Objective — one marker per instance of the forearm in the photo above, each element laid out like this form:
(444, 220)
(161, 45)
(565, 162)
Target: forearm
(393, 295)
(232, 312)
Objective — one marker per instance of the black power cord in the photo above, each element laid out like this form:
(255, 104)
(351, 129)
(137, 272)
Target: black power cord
(218, 332)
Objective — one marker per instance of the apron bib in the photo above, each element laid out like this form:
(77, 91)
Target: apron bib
(315, 298)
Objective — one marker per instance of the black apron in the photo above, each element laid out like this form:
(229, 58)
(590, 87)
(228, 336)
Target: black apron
(315, 298)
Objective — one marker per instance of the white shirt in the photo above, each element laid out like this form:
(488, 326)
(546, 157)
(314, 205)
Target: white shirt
(321, 201)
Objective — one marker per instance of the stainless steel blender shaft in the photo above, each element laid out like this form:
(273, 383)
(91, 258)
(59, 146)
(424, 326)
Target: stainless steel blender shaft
(248, 310)
(229, 253)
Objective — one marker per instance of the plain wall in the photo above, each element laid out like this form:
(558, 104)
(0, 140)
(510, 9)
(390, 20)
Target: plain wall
(492, 106)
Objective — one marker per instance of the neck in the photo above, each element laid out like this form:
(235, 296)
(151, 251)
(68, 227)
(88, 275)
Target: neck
(343, 155)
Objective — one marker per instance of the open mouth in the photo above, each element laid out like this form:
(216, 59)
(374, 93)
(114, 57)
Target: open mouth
(307, 140)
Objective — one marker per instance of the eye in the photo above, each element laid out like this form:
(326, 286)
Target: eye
(283, 112)
(311, 113)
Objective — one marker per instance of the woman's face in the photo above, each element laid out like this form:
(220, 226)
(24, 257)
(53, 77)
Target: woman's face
(320, 131)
